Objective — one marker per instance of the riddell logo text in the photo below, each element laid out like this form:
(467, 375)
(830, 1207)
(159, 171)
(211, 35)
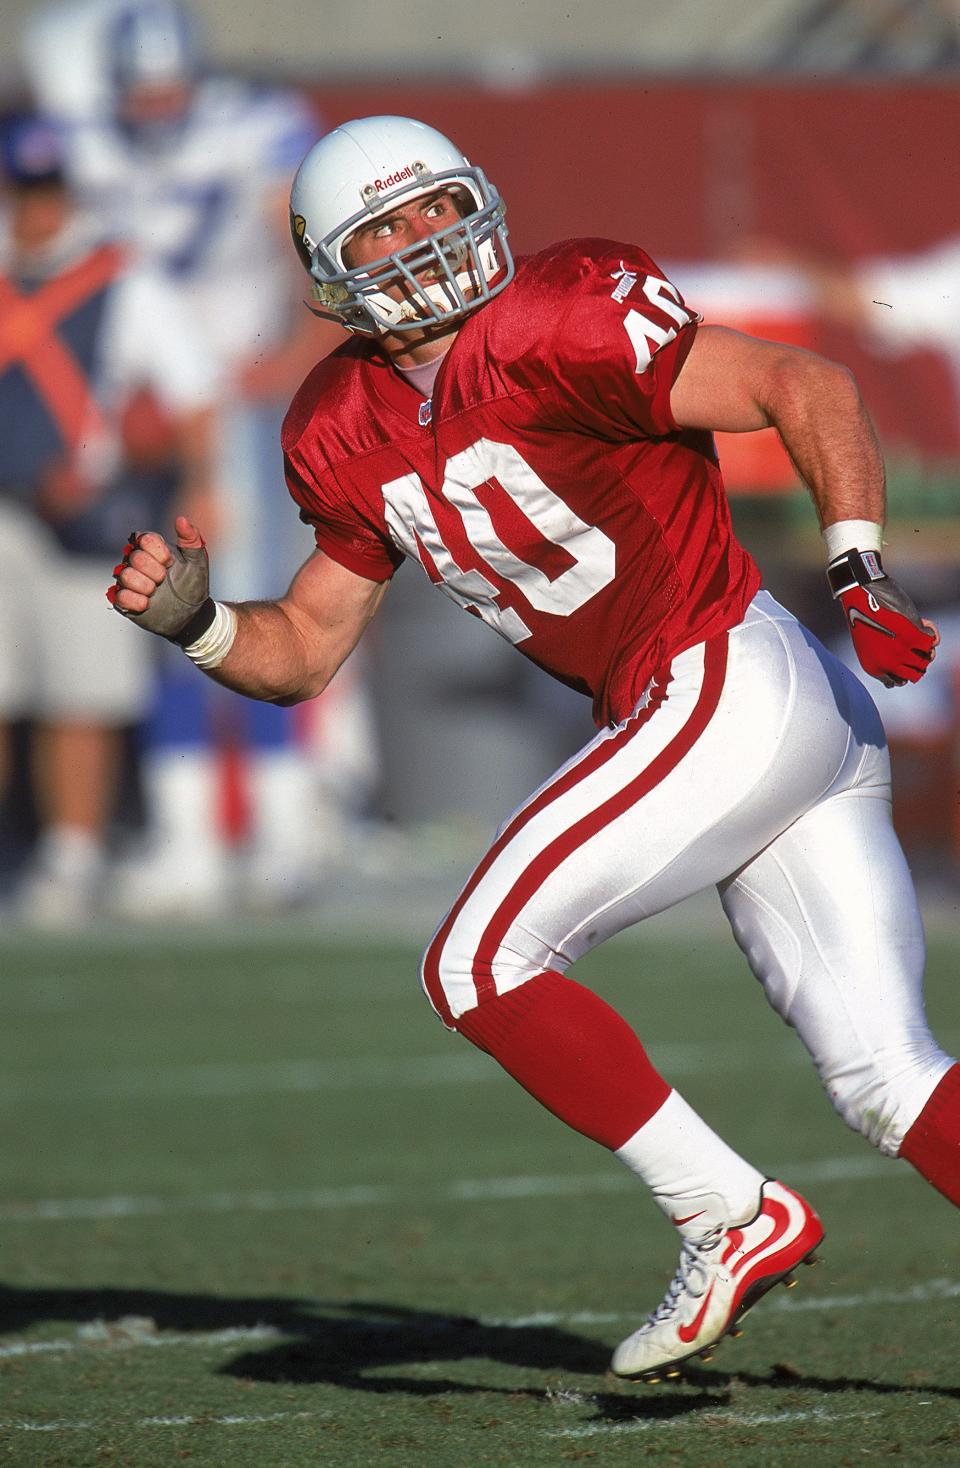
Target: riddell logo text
(392, 179)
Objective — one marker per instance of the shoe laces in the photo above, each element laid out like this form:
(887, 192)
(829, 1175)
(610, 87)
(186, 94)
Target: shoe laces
(693, 1273)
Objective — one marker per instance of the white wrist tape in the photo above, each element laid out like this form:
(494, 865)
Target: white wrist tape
(848, 535)
(210, 650)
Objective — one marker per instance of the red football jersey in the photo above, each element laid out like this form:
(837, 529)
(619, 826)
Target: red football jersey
(546, 487)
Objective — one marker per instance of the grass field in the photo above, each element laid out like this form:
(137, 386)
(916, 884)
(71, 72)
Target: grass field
(259, 1209)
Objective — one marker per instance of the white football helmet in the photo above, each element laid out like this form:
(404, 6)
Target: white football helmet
(364, 169)
(153, 45)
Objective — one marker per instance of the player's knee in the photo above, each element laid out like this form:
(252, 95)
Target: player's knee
(447, 981)
(881, 1104)
(458, 983)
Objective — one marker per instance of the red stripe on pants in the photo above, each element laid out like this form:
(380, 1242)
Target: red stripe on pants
(533, 877)
(571, 777)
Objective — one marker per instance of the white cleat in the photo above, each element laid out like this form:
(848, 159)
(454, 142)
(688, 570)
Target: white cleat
(721, 1275)
(50, 902)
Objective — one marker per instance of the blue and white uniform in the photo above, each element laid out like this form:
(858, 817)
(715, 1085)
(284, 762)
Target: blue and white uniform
(201, 209)
(203, 200)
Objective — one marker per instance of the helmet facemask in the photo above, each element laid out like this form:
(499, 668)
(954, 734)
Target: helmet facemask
(469, 261)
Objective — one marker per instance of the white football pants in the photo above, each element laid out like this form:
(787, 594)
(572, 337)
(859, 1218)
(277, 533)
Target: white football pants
(756, 762)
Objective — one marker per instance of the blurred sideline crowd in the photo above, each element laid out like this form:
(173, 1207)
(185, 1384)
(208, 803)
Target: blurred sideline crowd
(151, 336)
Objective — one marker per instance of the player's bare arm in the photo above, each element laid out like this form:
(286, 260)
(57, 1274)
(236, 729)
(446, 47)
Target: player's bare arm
(288, 650)
(733, 383)
(737, 384)
(281, 651)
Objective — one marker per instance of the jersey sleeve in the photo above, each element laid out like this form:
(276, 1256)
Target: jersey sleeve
(340, 530)
(619, 345)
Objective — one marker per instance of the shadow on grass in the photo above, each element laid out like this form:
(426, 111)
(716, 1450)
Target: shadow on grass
(354, 1344)
(325, 1340)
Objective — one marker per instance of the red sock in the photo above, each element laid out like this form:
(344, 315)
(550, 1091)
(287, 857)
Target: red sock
(570, 1050)
(932, 1145)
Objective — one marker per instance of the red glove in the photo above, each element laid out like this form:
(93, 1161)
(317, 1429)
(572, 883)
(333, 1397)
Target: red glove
(888, 634)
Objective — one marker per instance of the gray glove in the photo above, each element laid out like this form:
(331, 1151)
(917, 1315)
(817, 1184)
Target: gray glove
(181, 609)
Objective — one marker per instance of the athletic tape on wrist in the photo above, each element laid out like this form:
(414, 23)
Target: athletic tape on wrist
(209, 650)
(850, 535)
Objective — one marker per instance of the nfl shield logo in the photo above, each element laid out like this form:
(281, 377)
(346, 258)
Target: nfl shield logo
(426, 413)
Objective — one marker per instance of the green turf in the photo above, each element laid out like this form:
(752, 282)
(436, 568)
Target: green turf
(259, 1209)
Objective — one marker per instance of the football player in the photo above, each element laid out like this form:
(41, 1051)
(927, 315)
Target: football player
(193, 168)
(538, 437)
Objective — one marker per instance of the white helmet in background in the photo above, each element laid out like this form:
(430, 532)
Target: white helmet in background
(363, 170)
(154, 53)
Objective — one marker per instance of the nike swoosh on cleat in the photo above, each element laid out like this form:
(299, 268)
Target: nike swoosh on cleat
(689, 1218)
(687, 1333)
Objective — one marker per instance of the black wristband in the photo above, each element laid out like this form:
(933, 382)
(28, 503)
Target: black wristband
(202, 618)
(854, 568)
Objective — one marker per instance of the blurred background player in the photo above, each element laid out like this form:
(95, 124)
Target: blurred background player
(81, 330)
(193, 168)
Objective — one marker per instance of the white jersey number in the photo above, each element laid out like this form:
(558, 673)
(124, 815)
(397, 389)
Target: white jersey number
(411, 523)
(646, 336)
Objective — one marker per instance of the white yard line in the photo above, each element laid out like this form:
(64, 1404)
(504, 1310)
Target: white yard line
(700, 1419)
(253, 1078)
(461, 1066)
(101, 1334)
(705, 1419)
(212, 1420)
(466, 1190)
(57, 1210)
(918, 1294)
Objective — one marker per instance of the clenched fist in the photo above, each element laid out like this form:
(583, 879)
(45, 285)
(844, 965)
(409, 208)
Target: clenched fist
(165, 589)
(891, 639)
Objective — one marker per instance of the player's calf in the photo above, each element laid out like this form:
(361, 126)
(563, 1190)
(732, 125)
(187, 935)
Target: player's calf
(932, 1145)
(573, 1052)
